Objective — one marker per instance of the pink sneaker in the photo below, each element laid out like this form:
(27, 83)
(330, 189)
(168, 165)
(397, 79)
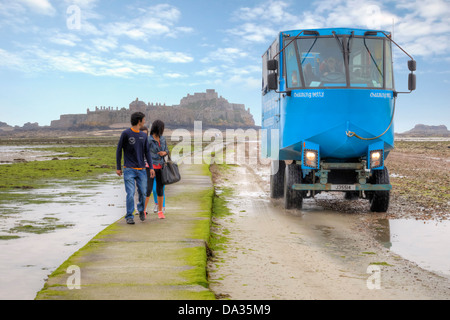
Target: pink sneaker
(161, 215)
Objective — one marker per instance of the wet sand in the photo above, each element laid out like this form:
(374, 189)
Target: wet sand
(12, 154)
(321, 253)
(85, 208)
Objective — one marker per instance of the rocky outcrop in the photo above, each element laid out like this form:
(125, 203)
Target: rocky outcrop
(5, 127)
(207, 107)
(421, 130)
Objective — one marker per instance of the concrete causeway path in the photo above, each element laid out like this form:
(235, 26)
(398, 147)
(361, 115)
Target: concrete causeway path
(158, 259)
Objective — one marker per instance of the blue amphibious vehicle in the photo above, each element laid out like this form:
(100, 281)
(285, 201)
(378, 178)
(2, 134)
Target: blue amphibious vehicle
(328, 103)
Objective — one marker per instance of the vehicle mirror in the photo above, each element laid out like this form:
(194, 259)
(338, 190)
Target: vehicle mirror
(272, 81)
(412, 82)
(272, 65)
(412, 65)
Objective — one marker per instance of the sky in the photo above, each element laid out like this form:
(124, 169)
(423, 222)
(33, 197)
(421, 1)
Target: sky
(65, 56)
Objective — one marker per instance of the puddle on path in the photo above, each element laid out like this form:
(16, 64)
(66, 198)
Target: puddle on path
(423, 242)
(80, 209)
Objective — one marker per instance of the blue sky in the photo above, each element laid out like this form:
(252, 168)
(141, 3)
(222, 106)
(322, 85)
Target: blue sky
(59, 57)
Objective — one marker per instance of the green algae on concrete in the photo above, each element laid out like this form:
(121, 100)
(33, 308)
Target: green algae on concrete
(158, 259)
(79, 162)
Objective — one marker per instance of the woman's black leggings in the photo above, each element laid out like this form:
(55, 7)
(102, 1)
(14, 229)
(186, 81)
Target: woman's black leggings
(159, 185)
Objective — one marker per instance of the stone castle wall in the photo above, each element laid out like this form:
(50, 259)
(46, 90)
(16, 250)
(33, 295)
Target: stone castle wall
(207, 107)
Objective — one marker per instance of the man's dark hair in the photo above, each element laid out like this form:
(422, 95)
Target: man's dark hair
(157, 128)
(136, 117)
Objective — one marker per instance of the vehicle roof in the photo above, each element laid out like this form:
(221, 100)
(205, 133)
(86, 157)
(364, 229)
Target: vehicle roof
(338, 31)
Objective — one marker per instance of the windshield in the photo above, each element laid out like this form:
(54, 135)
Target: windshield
(320, 62)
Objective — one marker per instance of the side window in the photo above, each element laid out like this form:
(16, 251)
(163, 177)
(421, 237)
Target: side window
(268, 55)
(388, 62)
(292, 70)
(264, 72)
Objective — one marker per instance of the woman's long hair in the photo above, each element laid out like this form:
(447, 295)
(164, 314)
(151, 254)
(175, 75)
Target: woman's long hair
(157, 128)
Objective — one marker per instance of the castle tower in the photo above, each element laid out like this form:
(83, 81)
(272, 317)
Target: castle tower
(137, 105)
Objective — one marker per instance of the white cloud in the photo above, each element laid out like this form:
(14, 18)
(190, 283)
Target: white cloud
(250, 83)
(435, 45)
(427, 9)
(253, 32)
(270, 11)
(163, 12)
(125, 29)
(37, 60)
(172, 57)
(246, 76)
(105, 44)
(356, 13)
(40, 6)
(212, 71)
(421, 25)
(174, 75)
(65, 39)
(184, 29)
(228, 55)
(11, 60)
(425, 27)
(82, 3)
(82, 62)
(157, 54)
(150, 23)
(154, 27)
(11, 8)
(260, 22)
(15, 16)
(98, 37)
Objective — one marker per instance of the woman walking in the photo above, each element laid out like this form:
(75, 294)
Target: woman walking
(158, 150)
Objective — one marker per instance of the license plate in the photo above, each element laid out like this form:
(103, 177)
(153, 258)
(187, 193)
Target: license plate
(343, 187)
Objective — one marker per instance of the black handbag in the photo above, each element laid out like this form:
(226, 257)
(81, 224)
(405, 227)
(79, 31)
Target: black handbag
(170, 172)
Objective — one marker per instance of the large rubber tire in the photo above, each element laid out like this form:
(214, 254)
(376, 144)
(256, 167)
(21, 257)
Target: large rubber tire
(277, 179)
(379, 200)
(293, 199)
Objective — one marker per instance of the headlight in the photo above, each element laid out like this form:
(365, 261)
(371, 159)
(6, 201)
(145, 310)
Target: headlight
(376, 158)
(311, 157)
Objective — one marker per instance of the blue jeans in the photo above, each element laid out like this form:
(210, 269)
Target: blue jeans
(133, 177)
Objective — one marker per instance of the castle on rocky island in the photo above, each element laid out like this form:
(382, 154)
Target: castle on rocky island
(207, 107)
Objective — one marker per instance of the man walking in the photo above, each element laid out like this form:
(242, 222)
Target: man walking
(135, 147)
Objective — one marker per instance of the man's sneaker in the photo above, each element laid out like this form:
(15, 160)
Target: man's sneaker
(130, 221)
(142, 215)
(155, 209)
(161, 215)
